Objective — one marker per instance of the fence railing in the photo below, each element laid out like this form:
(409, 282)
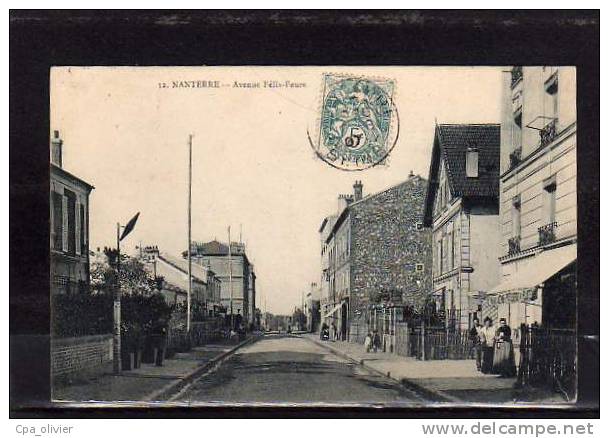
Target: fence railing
(432, 343)
(548, 358)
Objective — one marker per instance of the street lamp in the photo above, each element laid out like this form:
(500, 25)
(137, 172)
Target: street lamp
(116, 346)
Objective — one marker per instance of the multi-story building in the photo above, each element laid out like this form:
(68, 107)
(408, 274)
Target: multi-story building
(235, 272)
(69, 215)
(205, 291)
(538, 199)
(378, 254)
(462, 209)
(311, 308)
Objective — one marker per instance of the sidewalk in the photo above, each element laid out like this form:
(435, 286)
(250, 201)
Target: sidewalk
(148, 383)
(453, 381)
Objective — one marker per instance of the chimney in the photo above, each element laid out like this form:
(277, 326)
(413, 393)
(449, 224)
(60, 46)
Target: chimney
(411, 174)
(358, 190)
(56, 153)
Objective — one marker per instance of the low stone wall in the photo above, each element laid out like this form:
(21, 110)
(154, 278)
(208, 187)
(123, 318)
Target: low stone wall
(70, 356)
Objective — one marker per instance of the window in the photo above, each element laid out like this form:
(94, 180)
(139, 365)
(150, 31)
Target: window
(516, 216)
(57, 218)
(471, 163)
(71, 206)
(83, 227)
(549, 194)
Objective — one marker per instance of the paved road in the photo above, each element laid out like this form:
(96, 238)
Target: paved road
(291, 369)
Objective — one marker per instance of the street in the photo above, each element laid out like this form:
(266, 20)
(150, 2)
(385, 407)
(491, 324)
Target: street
(290, 369)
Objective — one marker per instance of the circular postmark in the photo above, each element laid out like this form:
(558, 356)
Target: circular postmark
(358, 124)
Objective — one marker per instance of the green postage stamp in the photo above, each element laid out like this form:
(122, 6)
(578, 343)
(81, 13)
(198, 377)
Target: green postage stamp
(358, 124)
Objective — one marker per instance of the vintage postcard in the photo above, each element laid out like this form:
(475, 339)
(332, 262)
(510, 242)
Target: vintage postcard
(313, 236)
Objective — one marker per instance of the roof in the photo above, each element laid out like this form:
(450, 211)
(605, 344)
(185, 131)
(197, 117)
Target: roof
(450, 145)
(199, 273)
(211, 248)
(61, 171)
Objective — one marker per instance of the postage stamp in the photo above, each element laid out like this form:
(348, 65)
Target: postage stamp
(358, 124)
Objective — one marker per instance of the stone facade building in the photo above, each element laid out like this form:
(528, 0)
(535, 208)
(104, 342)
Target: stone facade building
(378, 256)
(236, 270)
(462, 209)
(538, 199)
(69, 204)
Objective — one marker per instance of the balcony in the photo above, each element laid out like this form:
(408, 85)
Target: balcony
(547, 133)
(516, 75)
(514, 245)
(547, 234)
(516, 157)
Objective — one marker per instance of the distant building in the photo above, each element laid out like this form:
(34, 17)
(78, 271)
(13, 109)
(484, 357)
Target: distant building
(237, 270)
(69, 204)
(378, 256)
(538, 199)
(205, 295)
(312, 308)
(462, 209)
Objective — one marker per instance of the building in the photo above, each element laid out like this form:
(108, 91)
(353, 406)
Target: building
(462, 209)
(311, 308)
(378, 257)
(234, 272)
(538, 199)
(205, 292)
(69, 205)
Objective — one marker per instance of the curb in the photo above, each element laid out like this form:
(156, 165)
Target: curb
(164, 393)
(428, 394)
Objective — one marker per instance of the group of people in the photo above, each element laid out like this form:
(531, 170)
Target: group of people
(493, 347)
(329, 333)
(372, 342)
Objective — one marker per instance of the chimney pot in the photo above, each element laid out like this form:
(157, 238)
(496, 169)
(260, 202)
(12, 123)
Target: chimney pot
(56, 149)
(358, 190)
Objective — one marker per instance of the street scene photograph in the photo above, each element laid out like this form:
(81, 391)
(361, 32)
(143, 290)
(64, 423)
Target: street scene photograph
(392, 236)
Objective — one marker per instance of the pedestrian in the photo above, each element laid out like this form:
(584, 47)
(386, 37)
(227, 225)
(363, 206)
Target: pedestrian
(474, 337)
(376, 341)
(324, 328)
(487, 339)
(333, 331)
(503, 358)
(368, 342)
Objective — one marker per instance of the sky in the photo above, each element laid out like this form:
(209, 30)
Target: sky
(125, 131)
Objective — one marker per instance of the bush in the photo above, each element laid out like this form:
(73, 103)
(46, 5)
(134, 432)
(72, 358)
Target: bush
(84, 314)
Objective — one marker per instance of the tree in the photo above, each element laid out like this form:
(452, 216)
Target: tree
(134, 279)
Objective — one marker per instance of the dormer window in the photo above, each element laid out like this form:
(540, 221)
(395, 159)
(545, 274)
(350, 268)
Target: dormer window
(471, 163)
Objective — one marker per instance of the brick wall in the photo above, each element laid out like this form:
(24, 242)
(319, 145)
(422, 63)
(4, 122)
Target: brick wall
(386, 245)
(70, 356)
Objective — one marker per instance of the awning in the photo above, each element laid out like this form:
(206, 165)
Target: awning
(538, 270)
(334, 309)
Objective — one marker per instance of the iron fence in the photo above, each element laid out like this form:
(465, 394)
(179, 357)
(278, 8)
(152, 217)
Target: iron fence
(548, 359)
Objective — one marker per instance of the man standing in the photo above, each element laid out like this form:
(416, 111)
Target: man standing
(474, 336)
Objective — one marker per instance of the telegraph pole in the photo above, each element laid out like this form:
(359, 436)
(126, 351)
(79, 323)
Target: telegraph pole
(189, 233)
(116, 345)
(230, 282)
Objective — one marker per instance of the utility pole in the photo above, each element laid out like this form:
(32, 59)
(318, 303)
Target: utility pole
(116, 332)
(230, 282)
(116, 344)
(189, 233)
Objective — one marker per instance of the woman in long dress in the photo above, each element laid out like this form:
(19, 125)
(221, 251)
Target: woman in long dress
(487, 337)
(503, 358)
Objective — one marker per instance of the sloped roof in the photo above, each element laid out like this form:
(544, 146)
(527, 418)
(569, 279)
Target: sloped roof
(450, 145)
(199, 273)
(211, 248)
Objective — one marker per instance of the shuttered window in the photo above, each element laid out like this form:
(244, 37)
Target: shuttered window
(57, 221)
